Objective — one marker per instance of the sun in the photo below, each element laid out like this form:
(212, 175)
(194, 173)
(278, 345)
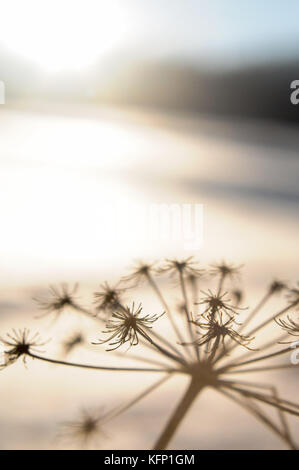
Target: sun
(63, 35)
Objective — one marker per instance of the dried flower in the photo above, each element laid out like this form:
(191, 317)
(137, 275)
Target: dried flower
(218, 330)
(140, 272)
(72, 342)
(289, 325)
(277, 286)
(185, 266)
(84, 431)
(58, 300)
(109, 298)
(207, 363)
(126, 324)
(216, 303)
(225, 270)
(20, 344)
(238, 296)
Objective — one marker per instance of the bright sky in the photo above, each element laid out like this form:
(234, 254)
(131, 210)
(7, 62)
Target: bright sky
(67, 34)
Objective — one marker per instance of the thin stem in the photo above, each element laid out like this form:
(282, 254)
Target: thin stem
(284, 423)
(248, 384)
(268, 400)
(286, 429)
(86, 312)
(186, 308)
(163, 351)
(160, 296)
(256, 310)
(220, 285)
(195, 298)
(214, 349)
(139, 397)
(266, 322)
(139, 358)
(174, 349)
(178, 415)
(263, 369)
(257, 359)
(195, 289)
(88, 366)
(253, 409)
(263, 347)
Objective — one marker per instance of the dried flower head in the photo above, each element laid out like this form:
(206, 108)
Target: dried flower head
(126, 324)
(237, 296)
(58, 300)
(289, 325)
(20, 344)
(85, 431)
(216, 303)
(206, 360)
(140, 272)
(217, 331)
(108, 298)
(277, 286)
(225, 270)
(70, 343)
(185, 266)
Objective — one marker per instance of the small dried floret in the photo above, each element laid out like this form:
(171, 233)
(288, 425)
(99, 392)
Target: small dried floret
(277, 286)
(237, 295)
(59, 299)
(83, 431)
(216, 303)
(185, 266)
(19, 343)
(72, 342)
(225, 270)
(126, 324)
(289, 325)
(217, 331)
(140, 272)
(108, 298)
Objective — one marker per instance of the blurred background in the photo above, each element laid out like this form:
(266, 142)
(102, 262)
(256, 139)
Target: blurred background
(152, 102)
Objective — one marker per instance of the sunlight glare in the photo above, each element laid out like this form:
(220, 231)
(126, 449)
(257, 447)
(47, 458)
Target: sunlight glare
(63, 35)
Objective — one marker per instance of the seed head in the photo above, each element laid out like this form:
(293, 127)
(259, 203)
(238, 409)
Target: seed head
(277, 286)
(224, 270)
(84, 430)
(216, 303)
(289, 325)
(140, 272)
(185, 266)
(20, 344)
(72, 342)
(237, 296)
(59, 299)
(217, 331)
(108, 298)
(125, 325)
